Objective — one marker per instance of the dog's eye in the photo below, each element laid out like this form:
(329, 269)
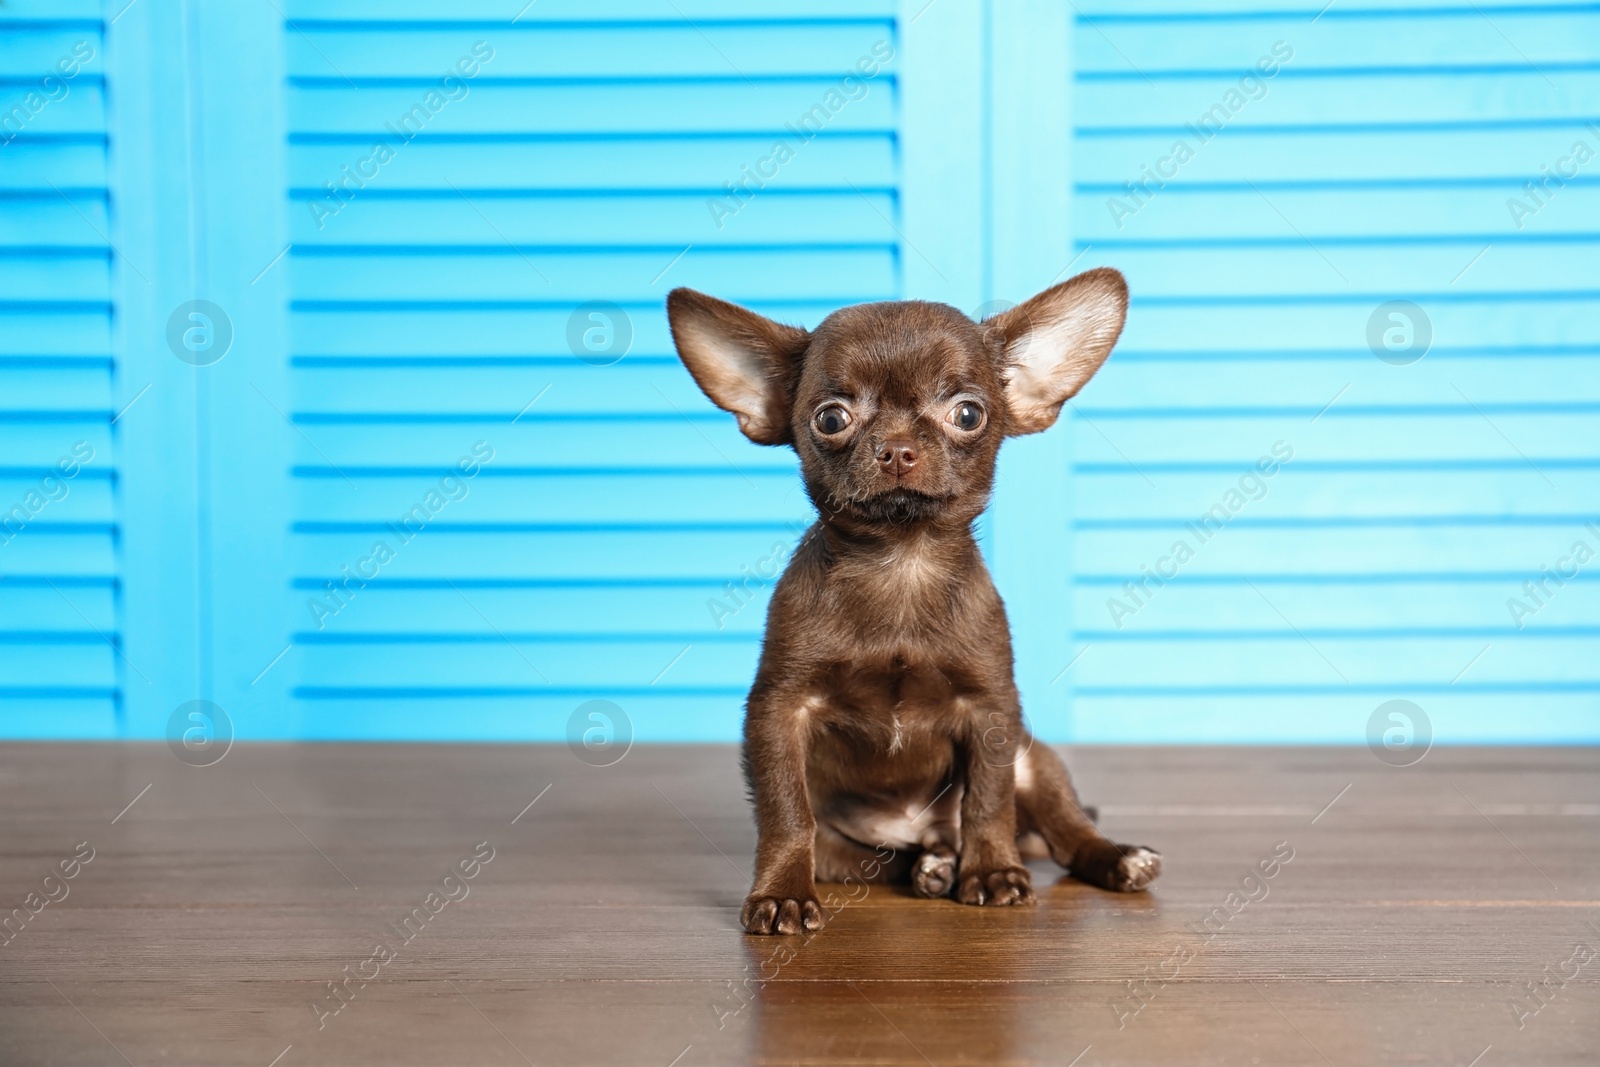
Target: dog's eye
(832, 419)
(967, 415)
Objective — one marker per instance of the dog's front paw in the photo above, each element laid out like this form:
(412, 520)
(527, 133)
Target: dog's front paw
(996, 888)
(1120, 868)
(781, 915)
(934, 873)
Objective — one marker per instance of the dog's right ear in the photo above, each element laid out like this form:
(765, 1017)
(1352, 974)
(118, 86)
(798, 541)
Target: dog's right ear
(746, 363)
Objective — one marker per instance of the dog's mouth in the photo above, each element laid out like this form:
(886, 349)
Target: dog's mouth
(899, 506)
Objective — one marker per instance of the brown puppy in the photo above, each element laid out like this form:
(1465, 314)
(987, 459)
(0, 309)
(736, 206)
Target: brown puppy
(884, 714)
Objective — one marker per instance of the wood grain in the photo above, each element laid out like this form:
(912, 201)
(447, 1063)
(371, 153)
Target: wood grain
(604, 930)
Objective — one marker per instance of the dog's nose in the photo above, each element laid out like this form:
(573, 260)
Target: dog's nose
(897, 457)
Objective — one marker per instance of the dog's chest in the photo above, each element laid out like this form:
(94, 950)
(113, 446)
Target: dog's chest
(893, 692)
(886, 723)
(909, 589)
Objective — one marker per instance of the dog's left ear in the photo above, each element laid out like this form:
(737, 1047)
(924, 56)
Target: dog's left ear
(1053, 343)
(746, 363)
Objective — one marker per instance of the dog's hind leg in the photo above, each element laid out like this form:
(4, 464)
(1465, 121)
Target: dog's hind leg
(1047, 805)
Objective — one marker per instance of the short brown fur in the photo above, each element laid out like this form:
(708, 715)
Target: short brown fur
(884, 736)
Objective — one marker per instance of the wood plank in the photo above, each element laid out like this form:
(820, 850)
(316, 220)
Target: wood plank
(604, 928)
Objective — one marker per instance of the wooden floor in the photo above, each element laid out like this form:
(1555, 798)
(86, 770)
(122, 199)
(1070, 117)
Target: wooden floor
(1418, 905)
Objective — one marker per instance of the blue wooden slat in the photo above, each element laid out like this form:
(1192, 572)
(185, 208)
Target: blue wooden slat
(56, 713)
(1317, 322)
(45, 278)
(1453, 602)
(46, 15)
(530, 165)
(425, 17)
(54, 386)
(1281, 657)
(75, 167)
(659, 712)
(693, 609)
(70, 552)
(76, 108)
(504, 274)
(537, 331)
(1505, 377)
(727, 104)
(1297, 490)
(678, 49)
(1475, 216)
(673, 496)
(1334, 98)
(777, 216)
(643, 554)
(35, 607)
(33, 332)
(1366, 436)
(672, 442)
(56, 222)
(532, 664)
(1331, 551)
(1547, 36)
(68, 51)
(1497, 157)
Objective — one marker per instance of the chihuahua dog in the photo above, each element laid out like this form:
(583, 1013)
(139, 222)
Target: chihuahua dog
(883, 736)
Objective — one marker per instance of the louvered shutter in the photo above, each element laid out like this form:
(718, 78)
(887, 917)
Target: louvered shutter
(1378, 162)
(59, 562)
(614, 537)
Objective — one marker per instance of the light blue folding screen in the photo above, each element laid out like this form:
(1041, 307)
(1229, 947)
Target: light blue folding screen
(58, 470)
(406, 452)
(1271, 180)
(468, 292)
(392, 214)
